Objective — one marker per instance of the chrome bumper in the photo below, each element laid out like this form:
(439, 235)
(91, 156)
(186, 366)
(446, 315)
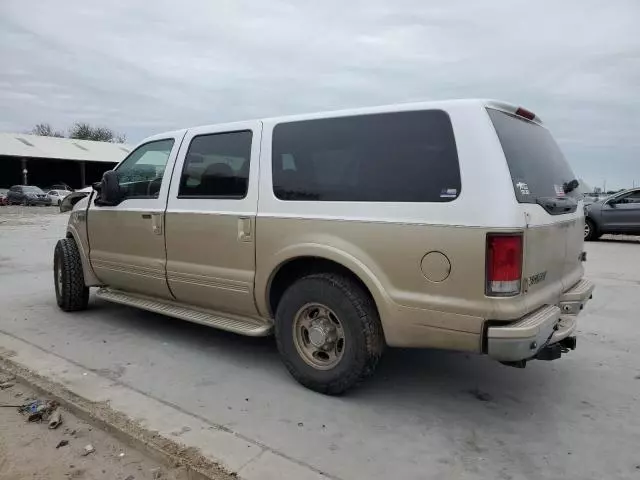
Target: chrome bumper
(524, 338)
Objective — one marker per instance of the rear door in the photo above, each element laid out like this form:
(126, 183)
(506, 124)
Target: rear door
(552, 209)
(210, 219)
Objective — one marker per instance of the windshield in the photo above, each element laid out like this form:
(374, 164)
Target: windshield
(538, 167)
(32, 190)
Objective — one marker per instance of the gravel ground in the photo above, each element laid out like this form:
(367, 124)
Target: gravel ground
(31, 449)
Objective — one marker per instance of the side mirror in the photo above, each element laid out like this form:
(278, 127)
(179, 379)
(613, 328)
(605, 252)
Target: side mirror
(70, 200)
(108, 190)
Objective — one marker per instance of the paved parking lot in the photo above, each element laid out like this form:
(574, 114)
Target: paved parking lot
(426, 414)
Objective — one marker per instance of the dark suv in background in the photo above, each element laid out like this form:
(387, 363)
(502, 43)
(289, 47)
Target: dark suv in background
(27, 195)
(617, 214)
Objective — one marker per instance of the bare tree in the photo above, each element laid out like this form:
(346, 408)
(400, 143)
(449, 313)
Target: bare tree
(81, 131)
(85, 131)
(45, 130)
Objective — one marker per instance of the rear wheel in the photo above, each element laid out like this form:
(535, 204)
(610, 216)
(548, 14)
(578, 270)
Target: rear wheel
(590, 230)
(71, 293)
(328, 333)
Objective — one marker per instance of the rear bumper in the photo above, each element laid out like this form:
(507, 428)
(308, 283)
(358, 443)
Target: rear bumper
(526, 337)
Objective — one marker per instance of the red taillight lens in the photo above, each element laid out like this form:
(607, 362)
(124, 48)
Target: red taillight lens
(504, 264)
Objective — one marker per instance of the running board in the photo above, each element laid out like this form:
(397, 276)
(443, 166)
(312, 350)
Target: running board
(243, 325)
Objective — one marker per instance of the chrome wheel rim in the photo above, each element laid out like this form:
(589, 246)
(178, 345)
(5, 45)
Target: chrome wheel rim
(587, 230)
(318, 336)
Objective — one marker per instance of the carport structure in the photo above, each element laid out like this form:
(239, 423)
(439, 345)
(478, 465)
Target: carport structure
(45, 161)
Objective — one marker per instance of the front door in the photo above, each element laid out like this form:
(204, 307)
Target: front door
(210, 219)
(127, 250)
(622, 214)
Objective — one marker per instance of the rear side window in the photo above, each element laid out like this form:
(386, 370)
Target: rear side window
(217, 166)
(390, 157)
(538, 167)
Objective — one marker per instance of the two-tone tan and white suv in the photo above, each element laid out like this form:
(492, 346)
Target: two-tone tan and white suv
(449, 225)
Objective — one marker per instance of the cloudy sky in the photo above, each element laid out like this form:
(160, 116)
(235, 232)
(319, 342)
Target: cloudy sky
(141, 67)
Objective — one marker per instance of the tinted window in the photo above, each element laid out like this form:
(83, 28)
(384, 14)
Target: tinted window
(30, 189)
(391, 157)
(217, 166)
(140, 174)
(633, 197)
(538, 168)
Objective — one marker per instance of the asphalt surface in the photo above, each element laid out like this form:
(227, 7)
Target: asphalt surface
(425, 414)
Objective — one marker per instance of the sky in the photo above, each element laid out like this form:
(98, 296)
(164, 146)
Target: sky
(142, 67)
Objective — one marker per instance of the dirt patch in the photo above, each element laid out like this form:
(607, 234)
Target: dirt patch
(101, 415)
(33, 450)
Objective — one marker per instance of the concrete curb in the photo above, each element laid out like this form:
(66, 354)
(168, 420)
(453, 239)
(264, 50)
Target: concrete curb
(166, 434)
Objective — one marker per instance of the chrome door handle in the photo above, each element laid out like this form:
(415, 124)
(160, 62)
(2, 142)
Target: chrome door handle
(156, 221)
(244, 229)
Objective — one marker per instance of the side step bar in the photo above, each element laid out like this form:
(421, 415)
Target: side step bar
(243, 325)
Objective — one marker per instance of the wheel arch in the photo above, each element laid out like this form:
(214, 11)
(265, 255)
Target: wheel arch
(291, 267)
(90, 278)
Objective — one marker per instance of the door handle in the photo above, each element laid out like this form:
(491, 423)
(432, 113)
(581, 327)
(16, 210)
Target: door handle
(156, 221)
(244, 229)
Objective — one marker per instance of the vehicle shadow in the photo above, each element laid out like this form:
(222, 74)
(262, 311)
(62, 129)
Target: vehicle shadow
(420, 381)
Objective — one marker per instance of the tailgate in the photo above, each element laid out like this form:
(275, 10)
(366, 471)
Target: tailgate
(546, 190)
(552, 260)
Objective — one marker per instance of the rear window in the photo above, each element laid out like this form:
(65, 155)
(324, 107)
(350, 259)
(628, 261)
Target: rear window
(390, 157)
(538, 167)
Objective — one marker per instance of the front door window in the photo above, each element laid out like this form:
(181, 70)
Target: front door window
(140, 174)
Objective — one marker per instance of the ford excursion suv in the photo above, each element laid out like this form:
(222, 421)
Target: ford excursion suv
(451, 225)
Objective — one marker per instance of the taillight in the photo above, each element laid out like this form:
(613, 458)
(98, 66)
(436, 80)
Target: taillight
(524, 113)
(504, 264)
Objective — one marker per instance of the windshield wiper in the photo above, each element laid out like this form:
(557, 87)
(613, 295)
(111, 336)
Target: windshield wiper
(570, 186)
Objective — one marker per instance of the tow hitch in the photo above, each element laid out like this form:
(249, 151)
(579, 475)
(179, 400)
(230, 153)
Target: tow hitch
(548, 353)
(555, 350)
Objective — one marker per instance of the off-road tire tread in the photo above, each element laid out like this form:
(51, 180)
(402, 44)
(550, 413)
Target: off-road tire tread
(369, 326)
(75, 294)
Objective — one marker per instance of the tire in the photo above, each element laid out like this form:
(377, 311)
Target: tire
(590, 230)
(71, 293)
(363, 338)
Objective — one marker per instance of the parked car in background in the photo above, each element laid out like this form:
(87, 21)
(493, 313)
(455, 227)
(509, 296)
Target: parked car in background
(57, 196)
(27, 195)
(3, 196)
(617, 214)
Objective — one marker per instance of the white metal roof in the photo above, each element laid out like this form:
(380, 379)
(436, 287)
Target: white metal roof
(34, 146)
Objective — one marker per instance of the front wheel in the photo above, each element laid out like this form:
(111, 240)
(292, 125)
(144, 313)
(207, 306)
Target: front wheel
(71, 293)
(590, 230)
(328, 333)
